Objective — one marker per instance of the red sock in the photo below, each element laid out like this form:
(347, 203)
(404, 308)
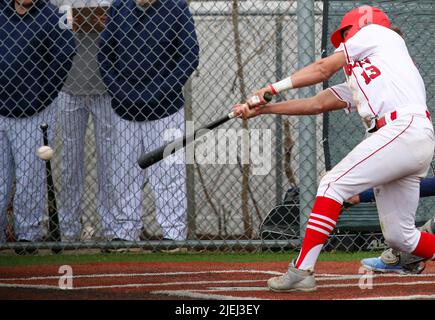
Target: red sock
(426, 246)
(322, 221)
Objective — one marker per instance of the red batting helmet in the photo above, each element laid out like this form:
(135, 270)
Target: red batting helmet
(356, 19)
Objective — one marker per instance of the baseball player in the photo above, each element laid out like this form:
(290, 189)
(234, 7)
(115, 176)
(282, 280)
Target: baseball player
(385, 87)
(392, 260)
(84, 96)
(35, 57)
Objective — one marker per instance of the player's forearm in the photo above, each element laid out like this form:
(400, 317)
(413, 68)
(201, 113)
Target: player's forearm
(324, 101)
(312, 74)
(297, 107)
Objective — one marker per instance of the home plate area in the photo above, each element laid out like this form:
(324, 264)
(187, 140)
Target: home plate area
(206, 281)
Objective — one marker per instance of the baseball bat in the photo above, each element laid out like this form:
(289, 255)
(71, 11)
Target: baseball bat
(150, 158)
(53, 217)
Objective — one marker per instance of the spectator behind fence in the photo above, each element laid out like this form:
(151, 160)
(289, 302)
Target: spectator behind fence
(84, 95)
(35, 57)
(148, 51)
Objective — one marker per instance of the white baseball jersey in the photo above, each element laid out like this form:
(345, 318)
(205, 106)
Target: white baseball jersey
(382, 78)
(380, 74)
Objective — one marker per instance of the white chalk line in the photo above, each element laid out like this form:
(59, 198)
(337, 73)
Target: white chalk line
(148, 274)
(209, 293)
(139, 285)
(411, 297)
(319, 277)
(339, 285)
(197, 295)
(372, 274)
(130, 285)
(382, 284)
(200, 293)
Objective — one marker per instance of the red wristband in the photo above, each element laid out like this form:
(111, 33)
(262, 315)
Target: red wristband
(274, 92)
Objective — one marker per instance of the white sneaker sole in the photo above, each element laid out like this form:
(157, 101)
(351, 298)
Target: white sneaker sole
(294, 290)
(383, 270)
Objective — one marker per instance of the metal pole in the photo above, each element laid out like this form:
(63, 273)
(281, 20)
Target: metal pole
(190, 169)
(307, 124)
(278, 119)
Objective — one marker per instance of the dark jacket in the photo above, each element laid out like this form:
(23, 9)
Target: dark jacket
(35, 57)
(147, 56)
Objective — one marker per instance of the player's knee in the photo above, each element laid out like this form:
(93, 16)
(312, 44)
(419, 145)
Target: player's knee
(331, 190)
(402, 239)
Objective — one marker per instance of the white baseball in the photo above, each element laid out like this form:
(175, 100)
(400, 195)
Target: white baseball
(45, 153)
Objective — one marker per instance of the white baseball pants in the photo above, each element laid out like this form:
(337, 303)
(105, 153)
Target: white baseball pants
(74, 115)
(19, 141)
(167, 178)
(393, 160)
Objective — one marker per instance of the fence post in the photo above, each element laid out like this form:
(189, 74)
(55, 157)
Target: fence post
(190, 168)
(278, 119)
(307, 124)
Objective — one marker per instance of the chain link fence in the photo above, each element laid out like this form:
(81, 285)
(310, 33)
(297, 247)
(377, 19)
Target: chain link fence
(116, 79)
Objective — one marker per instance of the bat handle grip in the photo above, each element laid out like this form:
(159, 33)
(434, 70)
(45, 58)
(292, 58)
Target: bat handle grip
(268, 96)
(254, 101)
(232, 115)
(44, 129)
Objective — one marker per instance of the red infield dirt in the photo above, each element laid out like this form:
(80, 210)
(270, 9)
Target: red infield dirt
(204, 280)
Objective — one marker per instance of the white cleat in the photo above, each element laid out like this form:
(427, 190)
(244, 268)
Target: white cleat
(293, 280)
